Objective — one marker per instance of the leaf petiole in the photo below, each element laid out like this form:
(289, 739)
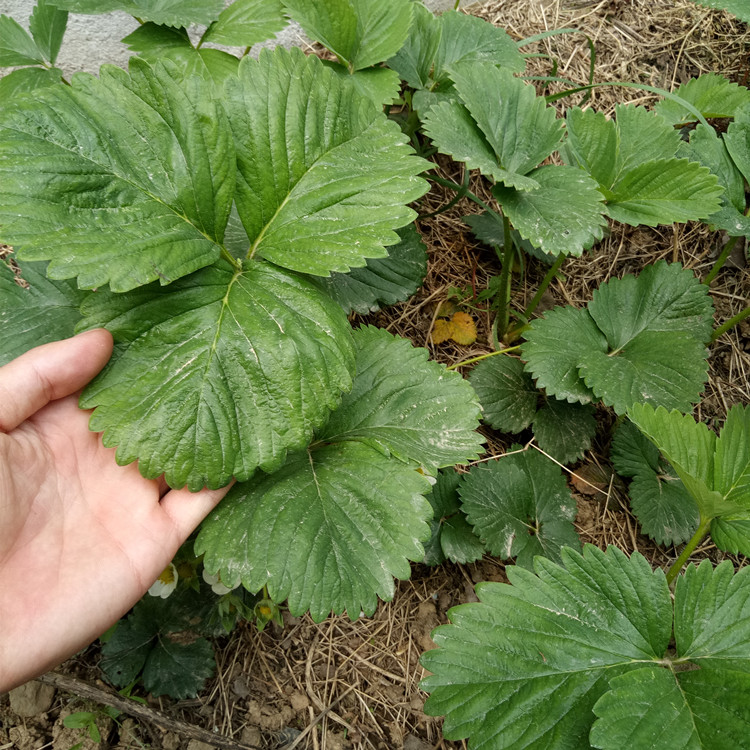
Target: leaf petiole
(694, 541)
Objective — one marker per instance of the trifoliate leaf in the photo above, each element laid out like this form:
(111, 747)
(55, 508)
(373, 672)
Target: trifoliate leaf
(468, 39)
(124, 179)
(359, 32)
(16, 46)
(218, 374)
(324, 177)
(162, 639)
(609, 149)
(664, 508)
(27, 79)
(519, 126)
(452, 536)
(564, 430)
(711, 94)
(520, 506)
(406, 406)
(153, 43)
(328, 531)
(523, 667)
(655, 327)
(166, 12)
(664, 191)
(563, 217)
(47, 25)
(507, 394)
(383, 281)
(247, 22)
(42, 312)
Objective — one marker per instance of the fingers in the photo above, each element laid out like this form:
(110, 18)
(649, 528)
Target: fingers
(50, 372)
(187, 509)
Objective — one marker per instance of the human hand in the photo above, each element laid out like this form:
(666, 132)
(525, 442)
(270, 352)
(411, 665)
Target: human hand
(81, 538)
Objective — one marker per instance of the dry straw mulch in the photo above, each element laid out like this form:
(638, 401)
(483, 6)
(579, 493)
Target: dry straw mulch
(355, 685)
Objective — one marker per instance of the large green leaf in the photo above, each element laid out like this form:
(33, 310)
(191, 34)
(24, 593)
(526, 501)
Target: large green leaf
(43, 311)
(383, 281)
(153, 43)
(406, 406)
(219, 373)
(359, 32)
(711, 94)
(16, 46)
(324, 177)
(664, 508)
(124, 179)
(247, 22)
(47, 25)
(327, 532)
(564, 216)
(520, 506)
(166, 12)
(525, 666)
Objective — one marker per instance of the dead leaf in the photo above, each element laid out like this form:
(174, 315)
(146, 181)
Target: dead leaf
(442, 331)
(591, 479)
(464, 329)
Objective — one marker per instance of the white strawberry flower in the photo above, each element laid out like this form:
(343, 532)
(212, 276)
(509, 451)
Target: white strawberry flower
(166, 583)
(214, 581)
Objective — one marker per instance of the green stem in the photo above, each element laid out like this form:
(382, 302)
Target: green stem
(481, 357)
(546, 281)
(502, 301)
(721, 260)
(229, 257)
(722, 329)
(695, 540)
(456, 186)
(456, 198)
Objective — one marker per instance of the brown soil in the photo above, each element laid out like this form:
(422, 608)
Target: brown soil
(355, 685)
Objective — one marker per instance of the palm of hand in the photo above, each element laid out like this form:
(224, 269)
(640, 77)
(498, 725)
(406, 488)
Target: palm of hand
(82, 538)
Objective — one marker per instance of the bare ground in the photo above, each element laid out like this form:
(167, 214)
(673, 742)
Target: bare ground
(355, 685)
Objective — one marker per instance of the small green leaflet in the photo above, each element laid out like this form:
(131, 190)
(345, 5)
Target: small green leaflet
(406, 406)
(247, 22)
(323, 176)
(578, 654)
(218, 374)
(331, 528)
(47, 25)
(45, 311)
(166, 12)
(452, 536)
(664, 508)
(16, 46)
(640, 340)
(27, 79)
(711, 94)
(359, 32)
(124, 179)
(520, 506)
(153, 43)
(714, 470)
(564, 430)
(383, 281)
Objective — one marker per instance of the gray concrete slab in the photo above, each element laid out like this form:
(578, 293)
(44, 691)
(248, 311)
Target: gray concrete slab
(91, 41)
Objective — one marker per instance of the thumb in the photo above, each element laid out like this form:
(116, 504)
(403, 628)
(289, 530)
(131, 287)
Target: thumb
(50, 372)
